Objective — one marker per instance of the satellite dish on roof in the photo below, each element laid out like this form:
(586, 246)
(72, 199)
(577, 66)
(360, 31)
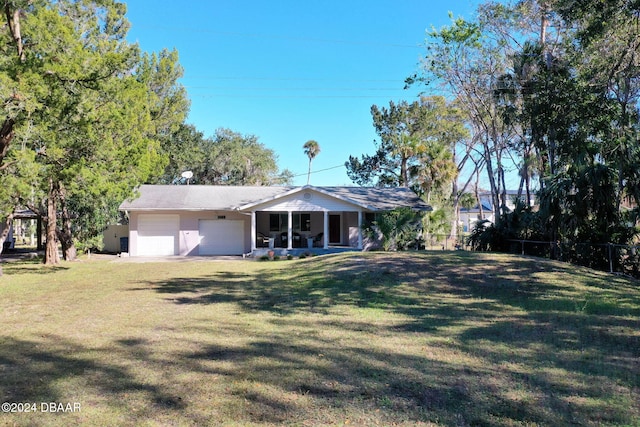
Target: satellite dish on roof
(187, 175)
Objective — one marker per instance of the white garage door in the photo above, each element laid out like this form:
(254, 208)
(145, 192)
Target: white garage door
(158, 234)
(221, 237)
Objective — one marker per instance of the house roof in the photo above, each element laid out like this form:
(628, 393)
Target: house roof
(486, 207)
(219, 197)
(378, 198)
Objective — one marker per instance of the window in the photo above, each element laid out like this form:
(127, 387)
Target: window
(302, 222)
(305, 222)
(278, 222)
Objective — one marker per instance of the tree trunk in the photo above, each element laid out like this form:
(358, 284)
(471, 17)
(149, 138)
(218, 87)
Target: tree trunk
(503, 191)
(69, 252)
(65, 235)
(520, 186)
(6, 135)
(404, 173)
(13, 19)
(544, 23)
(527, 184)
(51, 256)
(456, 211)
(477, 193)
(495, 199)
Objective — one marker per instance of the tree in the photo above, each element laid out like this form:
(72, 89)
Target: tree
(570, 98)
(167, 100)
(415, 149)
(87, 113)
(229, 158)
(467, 59)
(16, 104)
(399, 128)
(186, 149)
(608, 42)
(311, 149)
(578, 99)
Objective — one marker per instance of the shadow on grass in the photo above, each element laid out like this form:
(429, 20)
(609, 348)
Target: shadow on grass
(29, 266)
(31, 371)
(408, 388)
(351, 380)
(312, 285)
(523, 342)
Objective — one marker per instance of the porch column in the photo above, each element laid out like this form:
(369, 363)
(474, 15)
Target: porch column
(253, 231)
(289, 230)
(360, 230)
(326, 230)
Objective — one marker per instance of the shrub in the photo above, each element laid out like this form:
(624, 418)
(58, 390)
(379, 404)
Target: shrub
(397, 229)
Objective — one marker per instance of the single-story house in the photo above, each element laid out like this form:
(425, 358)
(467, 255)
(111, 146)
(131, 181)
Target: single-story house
(235, 220)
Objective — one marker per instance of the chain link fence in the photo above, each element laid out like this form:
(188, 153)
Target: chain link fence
(610, 257)
(444, 242)
(614, 258)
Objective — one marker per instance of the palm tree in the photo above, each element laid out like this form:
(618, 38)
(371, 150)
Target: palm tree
(311, 149)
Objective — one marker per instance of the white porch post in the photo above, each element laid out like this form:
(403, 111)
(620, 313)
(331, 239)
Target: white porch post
(360, 229)
(326, 230)
(253, 231)
(289, 230)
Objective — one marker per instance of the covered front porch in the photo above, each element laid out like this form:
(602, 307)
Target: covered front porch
(307, 230)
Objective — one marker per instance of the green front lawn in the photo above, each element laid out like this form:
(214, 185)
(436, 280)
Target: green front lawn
(442, 338)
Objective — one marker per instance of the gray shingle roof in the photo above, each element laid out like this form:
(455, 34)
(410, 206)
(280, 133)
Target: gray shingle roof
(377, 198)
(217, 197)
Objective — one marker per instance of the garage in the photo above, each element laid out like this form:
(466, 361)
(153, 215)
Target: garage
(221, 237)
(158, 234)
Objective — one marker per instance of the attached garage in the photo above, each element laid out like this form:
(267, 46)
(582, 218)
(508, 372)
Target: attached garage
(158, 234)
(221, 237)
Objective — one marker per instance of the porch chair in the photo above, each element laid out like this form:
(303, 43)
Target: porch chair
(262, 241)
(317, 240)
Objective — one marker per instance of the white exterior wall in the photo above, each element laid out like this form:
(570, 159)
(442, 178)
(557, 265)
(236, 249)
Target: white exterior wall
(189, 236)
(469, 219)
(111, 237)
(297, 202)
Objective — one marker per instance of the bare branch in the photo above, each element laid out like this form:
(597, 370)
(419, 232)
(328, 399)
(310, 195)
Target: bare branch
(13, 20)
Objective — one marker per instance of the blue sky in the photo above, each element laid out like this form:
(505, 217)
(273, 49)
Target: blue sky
(290, 71)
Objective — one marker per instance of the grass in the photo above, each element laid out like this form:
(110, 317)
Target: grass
(440, 338)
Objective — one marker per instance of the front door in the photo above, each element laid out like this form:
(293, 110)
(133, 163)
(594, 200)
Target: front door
(335, 235)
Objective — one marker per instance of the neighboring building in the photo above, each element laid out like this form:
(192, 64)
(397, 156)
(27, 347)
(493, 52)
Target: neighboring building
(469, 217)
(21, 228)
(232, 220)
(512, 195)
(115, 238)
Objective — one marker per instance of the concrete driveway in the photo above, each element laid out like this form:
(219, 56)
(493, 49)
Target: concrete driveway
(175, 258)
